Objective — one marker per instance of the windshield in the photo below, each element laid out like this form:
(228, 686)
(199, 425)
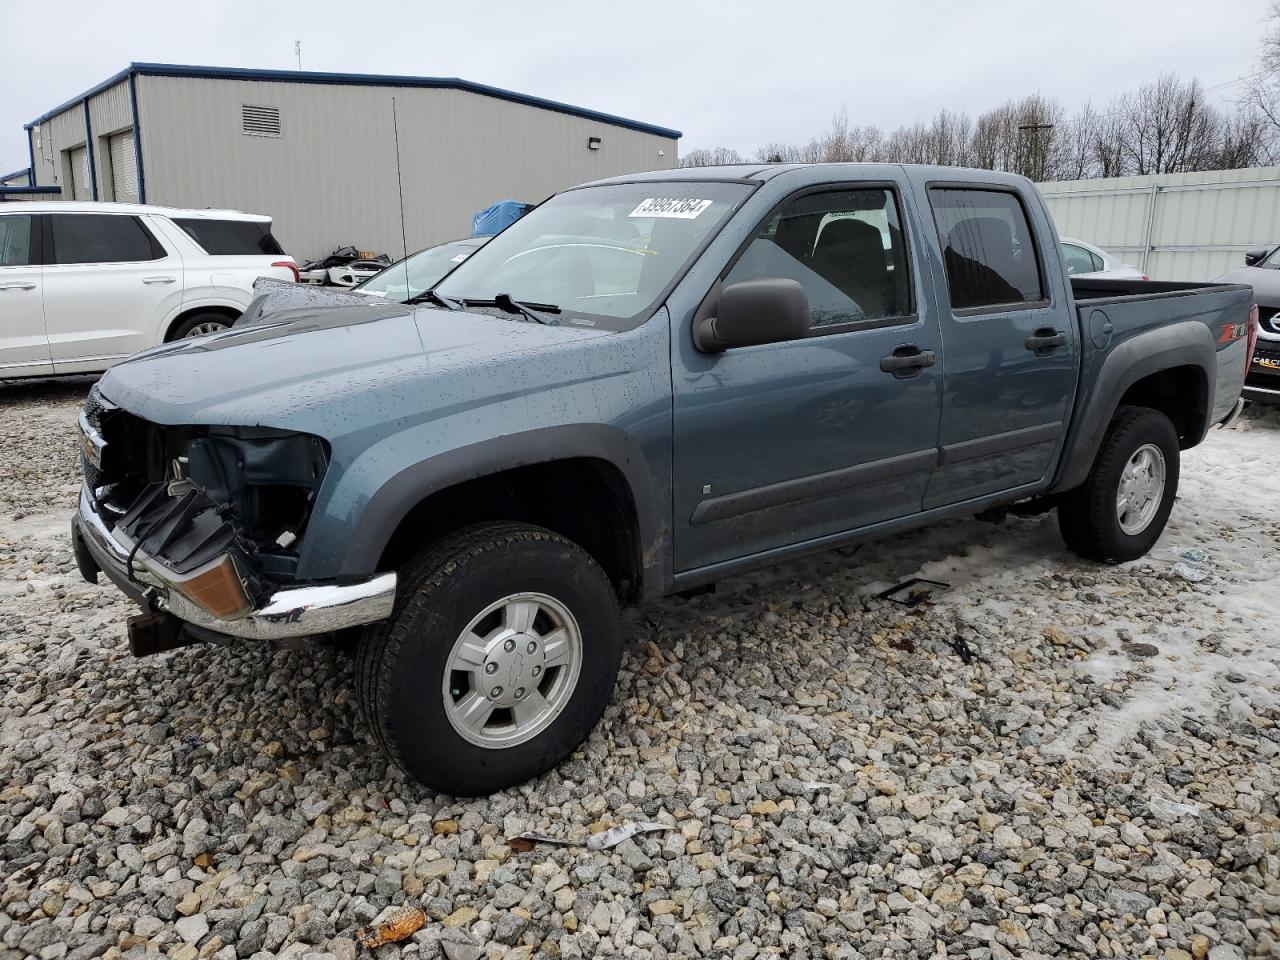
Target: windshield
(1271, 260)
(417, 274)
(598, 254)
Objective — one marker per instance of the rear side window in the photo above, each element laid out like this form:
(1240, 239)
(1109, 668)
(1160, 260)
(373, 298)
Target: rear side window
(987, 247)
(15, 240)
(844, 247)
(1079, 260)
(102, 238)
(231, 238)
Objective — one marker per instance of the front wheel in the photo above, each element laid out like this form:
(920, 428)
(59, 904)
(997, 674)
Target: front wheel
(500, 657)
(1121, 509)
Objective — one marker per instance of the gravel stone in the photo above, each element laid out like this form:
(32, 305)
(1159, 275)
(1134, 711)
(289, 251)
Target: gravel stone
(1099, 779)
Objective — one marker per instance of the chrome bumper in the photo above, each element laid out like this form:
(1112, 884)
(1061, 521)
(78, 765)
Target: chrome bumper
(291, 612)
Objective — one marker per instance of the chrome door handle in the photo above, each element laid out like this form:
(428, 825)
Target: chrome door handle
(159, 279)
(18, 285)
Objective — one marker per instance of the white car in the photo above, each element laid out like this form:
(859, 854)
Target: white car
(83, 285)
(1086, 260)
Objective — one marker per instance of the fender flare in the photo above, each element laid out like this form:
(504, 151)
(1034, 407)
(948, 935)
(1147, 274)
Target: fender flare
(1184, 344)
(392, 502)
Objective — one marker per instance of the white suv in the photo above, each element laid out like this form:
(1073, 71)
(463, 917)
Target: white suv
(83, 285)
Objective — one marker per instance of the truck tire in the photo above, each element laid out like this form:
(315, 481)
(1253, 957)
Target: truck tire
(1120, 511)
(199, 324)
(500, 657)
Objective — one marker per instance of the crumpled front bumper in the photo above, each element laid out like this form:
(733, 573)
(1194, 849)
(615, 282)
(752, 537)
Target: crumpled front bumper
(289, 612)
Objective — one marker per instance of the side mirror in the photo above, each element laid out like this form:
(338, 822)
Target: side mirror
(751, 312)
(1254, 257)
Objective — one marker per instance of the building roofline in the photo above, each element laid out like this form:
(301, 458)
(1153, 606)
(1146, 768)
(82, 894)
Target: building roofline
(22, 171)
(352, 79)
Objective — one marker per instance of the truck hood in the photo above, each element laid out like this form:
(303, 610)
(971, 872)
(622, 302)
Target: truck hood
(310, 370)
(1264, 280)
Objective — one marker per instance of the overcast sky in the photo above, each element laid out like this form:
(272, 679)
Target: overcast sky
(736, 74)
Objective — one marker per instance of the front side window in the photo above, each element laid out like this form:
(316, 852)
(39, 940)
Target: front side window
(101, 238)
(987, 248)
(231, 238)
(599, 254)
(15, 240)
(844, 247)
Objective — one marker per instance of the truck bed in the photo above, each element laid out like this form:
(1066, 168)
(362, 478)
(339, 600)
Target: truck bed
(1089, 288)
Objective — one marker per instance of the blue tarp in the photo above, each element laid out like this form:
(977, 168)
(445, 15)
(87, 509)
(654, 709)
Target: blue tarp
(498, 217)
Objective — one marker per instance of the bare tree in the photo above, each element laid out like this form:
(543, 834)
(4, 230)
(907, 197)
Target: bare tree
(1163, 127)
(710, 157)
(1167, 127)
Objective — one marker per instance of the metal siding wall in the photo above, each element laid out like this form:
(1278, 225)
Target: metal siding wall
(59, 134)
(109, 113)
(1203, 222)
(330, 178)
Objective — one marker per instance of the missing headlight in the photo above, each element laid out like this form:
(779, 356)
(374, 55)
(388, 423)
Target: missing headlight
(268, 479)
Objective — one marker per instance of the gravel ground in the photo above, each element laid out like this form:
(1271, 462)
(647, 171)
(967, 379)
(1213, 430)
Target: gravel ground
(1098, 777)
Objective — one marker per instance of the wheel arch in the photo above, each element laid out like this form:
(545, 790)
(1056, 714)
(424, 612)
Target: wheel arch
(1171, 369)
(187, 310)
(588, 482)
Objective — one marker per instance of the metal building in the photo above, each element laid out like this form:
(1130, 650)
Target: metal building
(1173, 226)
(318, 151)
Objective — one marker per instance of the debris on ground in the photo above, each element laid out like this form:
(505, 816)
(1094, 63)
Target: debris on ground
(913, 592)
(1193, 564)
(604, 840)
(401, 924)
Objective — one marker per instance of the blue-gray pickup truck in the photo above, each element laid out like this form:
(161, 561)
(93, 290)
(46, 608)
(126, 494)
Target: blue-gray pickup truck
(646, 384)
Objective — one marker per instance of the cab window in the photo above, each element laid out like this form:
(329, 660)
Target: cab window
(987, 248)
(845, 248)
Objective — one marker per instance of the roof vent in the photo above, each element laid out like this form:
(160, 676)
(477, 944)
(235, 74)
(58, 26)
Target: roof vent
(260, 121)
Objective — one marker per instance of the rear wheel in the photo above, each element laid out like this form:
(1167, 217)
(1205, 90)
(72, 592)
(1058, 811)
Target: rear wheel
(499, 659)
(199, 324)
(1121, 509)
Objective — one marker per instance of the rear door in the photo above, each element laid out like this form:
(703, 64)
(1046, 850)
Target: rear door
(108, 284)
(124, 167)
(80, 186)
(1010, 340)
(24, 348)
(783, 443)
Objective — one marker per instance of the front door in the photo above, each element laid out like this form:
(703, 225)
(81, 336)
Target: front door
(1011, 346)
(109, 283)
(24, 348)
(788, 442)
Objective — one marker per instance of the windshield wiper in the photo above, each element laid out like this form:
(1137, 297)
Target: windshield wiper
(536, 312)
(432, 297)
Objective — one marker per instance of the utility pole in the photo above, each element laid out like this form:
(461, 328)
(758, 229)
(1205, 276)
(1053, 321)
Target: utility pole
(297, 49)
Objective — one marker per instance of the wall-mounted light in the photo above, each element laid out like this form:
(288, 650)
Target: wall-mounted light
(593, 143)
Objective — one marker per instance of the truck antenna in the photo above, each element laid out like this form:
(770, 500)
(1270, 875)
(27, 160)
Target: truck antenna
(404, 243)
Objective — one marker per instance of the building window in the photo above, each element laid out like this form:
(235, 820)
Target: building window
(260, 121)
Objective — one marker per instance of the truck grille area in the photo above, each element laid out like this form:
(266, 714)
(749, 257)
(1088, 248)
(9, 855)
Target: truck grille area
(1269, 319)
(129, 459)
(262, 483)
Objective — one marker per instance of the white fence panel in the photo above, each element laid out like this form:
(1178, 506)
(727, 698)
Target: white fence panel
(1181, 226)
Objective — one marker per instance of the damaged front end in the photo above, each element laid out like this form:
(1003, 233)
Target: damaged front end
(203, 524)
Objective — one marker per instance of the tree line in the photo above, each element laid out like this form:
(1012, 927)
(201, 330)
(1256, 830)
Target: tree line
(1166, 126)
